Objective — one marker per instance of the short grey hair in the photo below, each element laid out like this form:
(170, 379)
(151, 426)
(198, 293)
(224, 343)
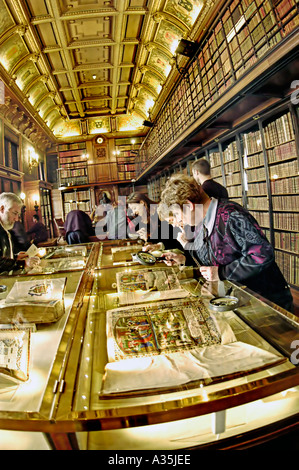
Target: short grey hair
(9, 199)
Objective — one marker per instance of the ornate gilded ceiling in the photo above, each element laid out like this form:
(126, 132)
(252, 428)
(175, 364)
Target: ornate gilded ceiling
(84, 67)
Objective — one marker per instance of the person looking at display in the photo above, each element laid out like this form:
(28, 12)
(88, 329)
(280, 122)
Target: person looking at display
(148, 225)
(139, 208)
(228, 243)
(10, 209)
(38, 231)
(78, 227)
(201, 171)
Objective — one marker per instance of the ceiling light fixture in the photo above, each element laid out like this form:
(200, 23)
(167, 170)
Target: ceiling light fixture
(187, 48)
(148, 123)
(32, 159)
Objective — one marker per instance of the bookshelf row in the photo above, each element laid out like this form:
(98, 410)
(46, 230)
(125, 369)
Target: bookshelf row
(126, 152)
(261, 178)
(72, 169)
(76, 199)
(241, 35)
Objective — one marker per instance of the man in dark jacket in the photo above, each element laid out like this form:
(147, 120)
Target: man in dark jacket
(10, 207)
(201, 171)
(38, 231)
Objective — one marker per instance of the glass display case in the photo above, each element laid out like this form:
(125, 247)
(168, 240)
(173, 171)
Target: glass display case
(220, 374)
(62, 258)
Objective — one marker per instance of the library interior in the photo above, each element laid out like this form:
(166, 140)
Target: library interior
(107, 108)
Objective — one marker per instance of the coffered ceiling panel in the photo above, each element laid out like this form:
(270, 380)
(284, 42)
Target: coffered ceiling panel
(93, 66)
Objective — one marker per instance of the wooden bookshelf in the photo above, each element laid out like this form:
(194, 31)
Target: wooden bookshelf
(214, 157)
(232, 170)
(259, 167)
(242, 34)
(126, 153)
(76, 199)
(72, 162)
(282, 159)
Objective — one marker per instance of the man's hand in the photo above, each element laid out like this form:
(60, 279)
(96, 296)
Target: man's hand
(21, 255)
(150, 247)
(32, 262)
(171, 258)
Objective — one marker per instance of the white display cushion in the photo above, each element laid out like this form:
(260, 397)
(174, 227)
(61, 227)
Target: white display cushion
(178, 368)
(35, 301)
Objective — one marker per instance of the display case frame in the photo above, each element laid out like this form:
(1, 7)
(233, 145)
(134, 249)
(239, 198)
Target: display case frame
(69, 420)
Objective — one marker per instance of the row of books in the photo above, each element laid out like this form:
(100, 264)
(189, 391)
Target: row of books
(216, 173)
(83, 206)
(252, 142)
(284, 7)
(219, 180)
(73, 159)
(254, 160)
(279, 131)
(267, 233)
(215, 159)
(232, 167)
(230, 152)
(126, 160)
(234, 191)
(289, 25)
(263, 218)
(73, 172)
(235, 178)
(73, 181)
(77, 164)
(286, 221)
(282, 152)
(285, 186)
(288, 241)
(125, 154)
(125, 176)
(70, 206)
(128, 167)
(77, 196)
(286, 203)
(257, 174)
(258, 203)
(83, 195)
(72, 146)
(289, 266)
(284, 170)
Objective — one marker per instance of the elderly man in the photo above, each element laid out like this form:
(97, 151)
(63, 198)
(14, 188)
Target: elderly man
(10, 207)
